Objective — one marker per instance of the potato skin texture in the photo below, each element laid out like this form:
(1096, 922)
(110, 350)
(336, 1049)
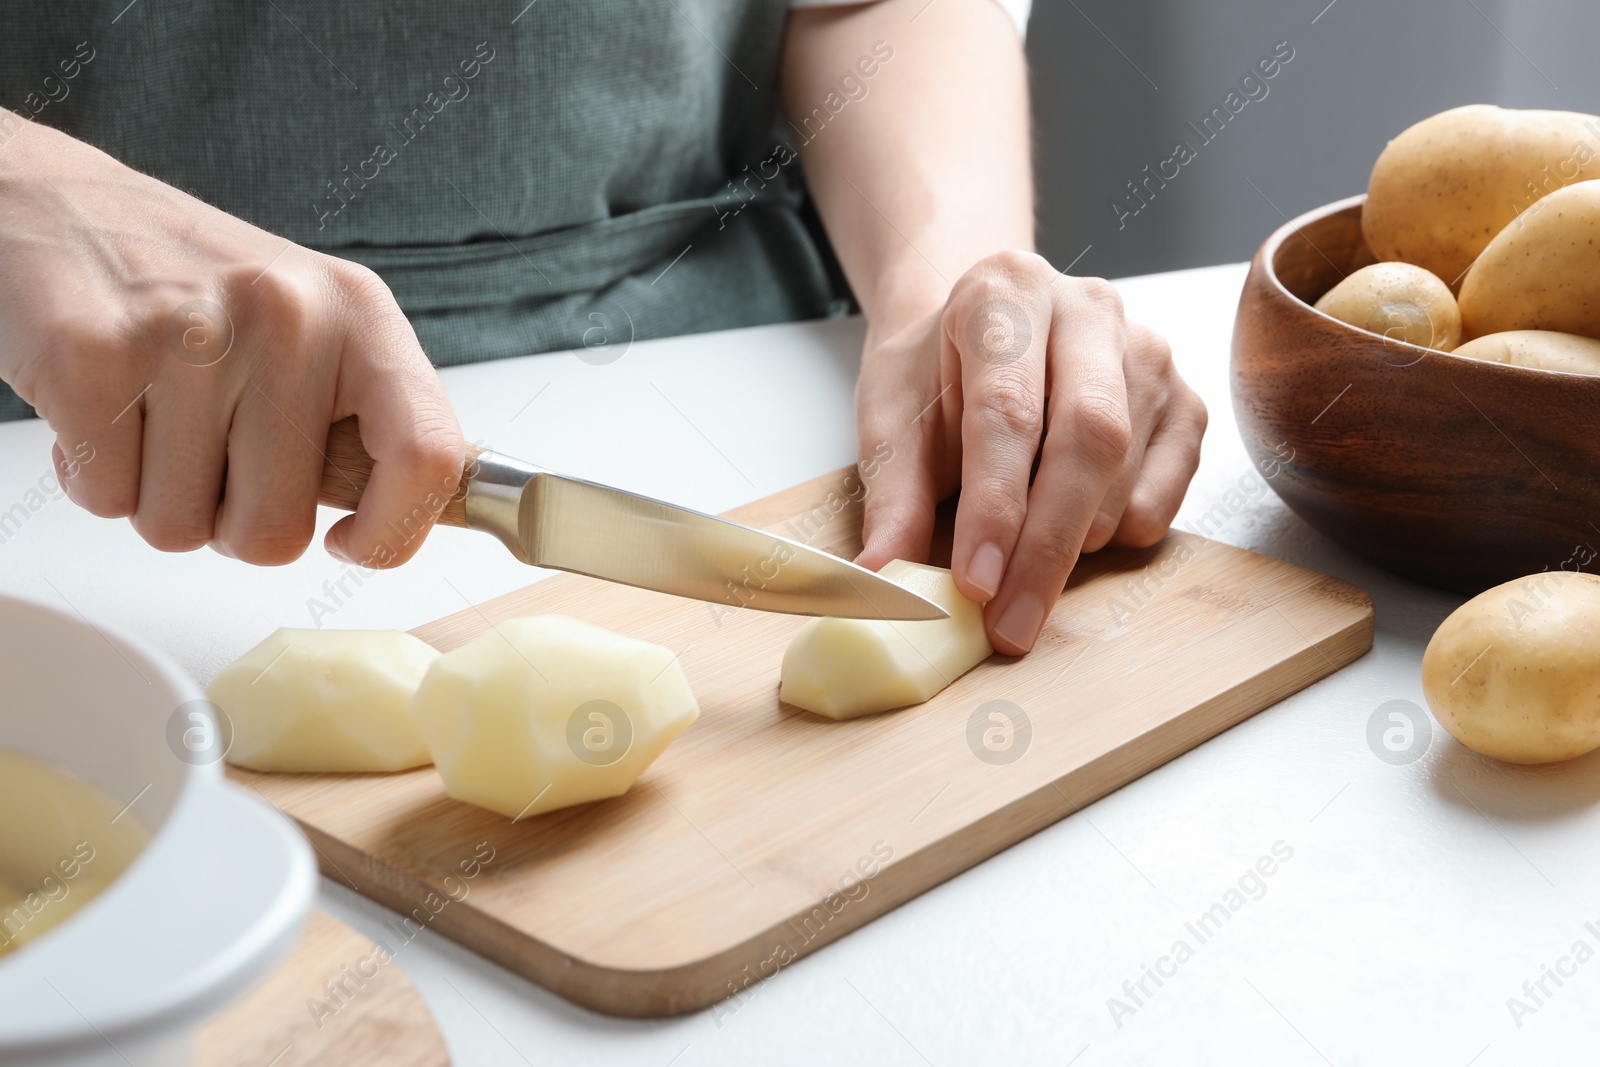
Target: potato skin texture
(1542, 272)
(1443, 188)
(1399, 301)
(1541, 349)
(1514, 673)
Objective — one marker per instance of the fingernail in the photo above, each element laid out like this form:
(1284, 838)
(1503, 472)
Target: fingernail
(337, 550)
(1021, 621)
(985, 568)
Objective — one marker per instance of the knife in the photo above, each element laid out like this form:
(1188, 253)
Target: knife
(550, 520)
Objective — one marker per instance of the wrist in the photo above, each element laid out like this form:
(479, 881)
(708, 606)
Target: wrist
(911, 289)
(28, 149)
(905, 296)
(13, 132)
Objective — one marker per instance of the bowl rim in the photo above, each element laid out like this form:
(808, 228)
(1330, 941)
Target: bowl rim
(236, 953)
(1269, 251)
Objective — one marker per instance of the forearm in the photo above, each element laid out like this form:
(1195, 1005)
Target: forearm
(926, 169)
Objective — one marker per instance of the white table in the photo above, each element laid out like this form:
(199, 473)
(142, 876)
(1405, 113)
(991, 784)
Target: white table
(1418, 898)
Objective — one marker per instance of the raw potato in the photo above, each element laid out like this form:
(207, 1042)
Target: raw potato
(1442, 189)
(544, 712)
(1542, 272)
(1514, 673)
(325, 700)
(1544, 349)
(844, 668)
(63, 841)
(44, 910)
(1398, 301)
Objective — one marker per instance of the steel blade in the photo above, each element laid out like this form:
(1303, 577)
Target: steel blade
(573, 525)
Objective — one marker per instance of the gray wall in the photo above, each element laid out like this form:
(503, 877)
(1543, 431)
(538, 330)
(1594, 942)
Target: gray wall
(1362, 72)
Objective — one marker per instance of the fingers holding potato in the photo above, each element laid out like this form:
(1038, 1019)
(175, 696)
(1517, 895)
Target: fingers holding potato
(1398, 301)
(1443, 188)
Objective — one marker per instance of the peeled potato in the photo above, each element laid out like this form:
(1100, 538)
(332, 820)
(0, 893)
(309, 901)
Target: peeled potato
(325, 700)
(1398, 301)
(1514, 673)
(1442, 189)
(843, 668)
(1544, 349)
(1542, 272)
(544, 712)
(30, 915)
(62, 842)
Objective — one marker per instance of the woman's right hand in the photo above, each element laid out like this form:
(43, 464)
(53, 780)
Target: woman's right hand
(199, 362)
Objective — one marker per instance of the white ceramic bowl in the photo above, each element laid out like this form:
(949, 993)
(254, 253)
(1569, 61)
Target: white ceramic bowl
(214, 900)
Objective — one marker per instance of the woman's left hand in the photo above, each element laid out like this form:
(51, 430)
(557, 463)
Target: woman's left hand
(1022, 363)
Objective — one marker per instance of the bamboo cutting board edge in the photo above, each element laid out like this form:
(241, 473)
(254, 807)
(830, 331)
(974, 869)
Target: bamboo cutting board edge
(271, 1021)
(1340, 617)
(702, 983)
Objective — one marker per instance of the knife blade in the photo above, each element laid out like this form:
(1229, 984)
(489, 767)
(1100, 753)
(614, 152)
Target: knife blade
(550, 520)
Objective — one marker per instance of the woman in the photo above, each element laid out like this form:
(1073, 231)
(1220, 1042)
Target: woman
(478, 180)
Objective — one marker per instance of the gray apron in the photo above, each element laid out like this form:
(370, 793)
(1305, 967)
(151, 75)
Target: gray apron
(566, 174)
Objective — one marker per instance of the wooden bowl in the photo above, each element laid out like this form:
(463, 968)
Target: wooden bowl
(1454, 471)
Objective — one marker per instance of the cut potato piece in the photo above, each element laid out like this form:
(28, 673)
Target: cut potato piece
(544, 712)
(843, 668)
(325, 700)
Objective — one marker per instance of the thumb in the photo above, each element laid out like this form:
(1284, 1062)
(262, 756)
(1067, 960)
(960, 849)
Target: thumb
(902, 496)
(409, 429)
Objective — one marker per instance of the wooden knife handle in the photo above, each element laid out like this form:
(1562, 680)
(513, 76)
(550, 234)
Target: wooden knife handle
(344, 476)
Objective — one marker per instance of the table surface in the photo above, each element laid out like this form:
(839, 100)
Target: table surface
(1416, 900)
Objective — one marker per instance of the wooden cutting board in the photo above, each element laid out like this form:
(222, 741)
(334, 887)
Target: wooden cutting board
(766, 832)
(372, 1016)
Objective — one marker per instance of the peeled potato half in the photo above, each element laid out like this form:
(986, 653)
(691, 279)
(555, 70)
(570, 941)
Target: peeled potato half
(544, 712)
(325, 700)
(844, 668)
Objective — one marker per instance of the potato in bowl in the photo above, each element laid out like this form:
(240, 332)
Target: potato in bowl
(1446, 186)
(1399, 301)
(1456, 471)
(1462, 470)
